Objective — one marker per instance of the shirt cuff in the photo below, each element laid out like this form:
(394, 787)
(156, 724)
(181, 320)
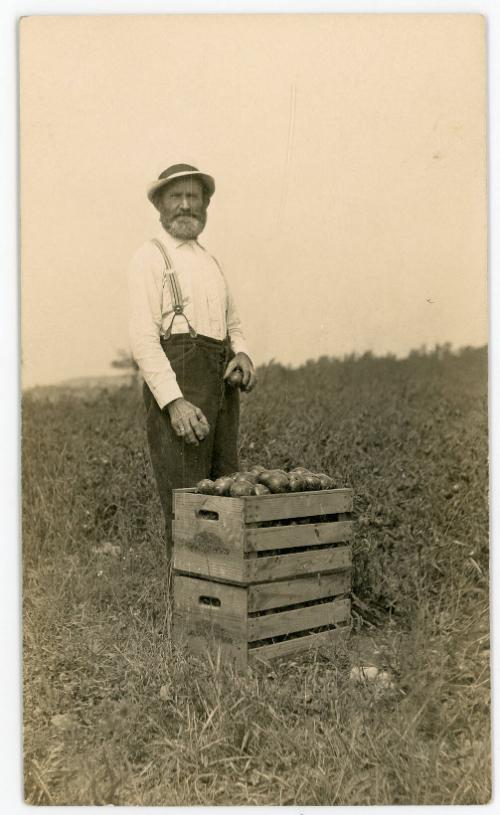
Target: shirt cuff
(239, 345)
(166, 394)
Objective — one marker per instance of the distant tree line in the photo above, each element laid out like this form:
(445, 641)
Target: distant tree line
(125, 361)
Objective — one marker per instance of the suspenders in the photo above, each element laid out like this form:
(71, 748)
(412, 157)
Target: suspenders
(170, 278)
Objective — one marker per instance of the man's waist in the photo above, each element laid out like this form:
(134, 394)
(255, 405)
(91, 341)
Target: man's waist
(185, 338)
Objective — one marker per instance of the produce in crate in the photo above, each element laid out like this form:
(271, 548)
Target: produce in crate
(222, 486)
(261, 489)
(260, 481)
(257, 468)
(247, 476)
(276, 480)
(241, 487)
(206, 486)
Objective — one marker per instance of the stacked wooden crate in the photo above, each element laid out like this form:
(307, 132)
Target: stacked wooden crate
(262, 576)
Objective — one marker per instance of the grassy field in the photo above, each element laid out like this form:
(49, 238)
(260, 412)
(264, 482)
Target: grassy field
(115, 713)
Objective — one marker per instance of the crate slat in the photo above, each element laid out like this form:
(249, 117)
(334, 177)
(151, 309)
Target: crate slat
(218, 537)
(296, 505)
(214, 567)
(264, 569)
(298, 645)
(225, 622)
(300, 619)
(268, 507)
(189, 503)
(226, 535)
(286, 537)
(262, 596)
(276, 567)
(228, 600)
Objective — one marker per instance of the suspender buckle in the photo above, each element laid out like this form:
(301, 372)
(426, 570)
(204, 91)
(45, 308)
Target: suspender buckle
(178, 309)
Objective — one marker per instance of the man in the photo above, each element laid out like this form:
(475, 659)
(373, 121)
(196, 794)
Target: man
(187, 339)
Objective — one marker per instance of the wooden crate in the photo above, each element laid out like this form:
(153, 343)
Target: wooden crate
(262, 621)
(257, 539)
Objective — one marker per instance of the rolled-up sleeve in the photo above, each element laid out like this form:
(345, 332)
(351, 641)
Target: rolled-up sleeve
(145, 299)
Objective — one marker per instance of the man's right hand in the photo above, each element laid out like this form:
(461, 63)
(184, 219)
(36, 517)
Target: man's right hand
(188, 421)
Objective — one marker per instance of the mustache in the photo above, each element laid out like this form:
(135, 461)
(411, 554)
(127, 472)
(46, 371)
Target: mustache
(197, 216)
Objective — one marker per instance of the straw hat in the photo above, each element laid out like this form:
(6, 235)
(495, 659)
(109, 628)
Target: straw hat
(177, 171)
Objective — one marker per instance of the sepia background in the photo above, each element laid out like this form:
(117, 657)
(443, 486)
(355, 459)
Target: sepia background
(348, 153)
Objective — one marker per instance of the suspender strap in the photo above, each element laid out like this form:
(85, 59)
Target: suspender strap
(170, 278)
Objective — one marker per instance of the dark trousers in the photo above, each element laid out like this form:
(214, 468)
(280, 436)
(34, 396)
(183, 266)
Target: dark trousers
(199, 364)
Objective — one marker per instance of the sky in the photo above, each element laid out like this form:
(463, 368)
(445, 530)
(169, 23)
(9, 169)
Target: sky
(349, 157)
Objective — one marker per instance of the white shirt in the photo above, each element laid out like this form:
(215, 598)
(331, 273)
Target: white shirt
(208, 305)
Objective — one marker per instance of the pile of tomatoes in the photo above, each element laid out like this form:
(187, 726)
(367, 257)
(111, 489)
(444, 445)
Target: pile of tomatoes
(260, 481)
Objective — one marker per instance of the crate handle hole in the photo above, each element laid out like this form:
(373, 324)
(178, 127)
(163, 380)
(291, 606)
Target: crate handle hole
(209, 601)
(207, 514)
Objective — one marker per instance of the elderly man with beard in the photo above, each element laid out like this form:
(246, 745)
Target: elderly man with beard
(187, 339)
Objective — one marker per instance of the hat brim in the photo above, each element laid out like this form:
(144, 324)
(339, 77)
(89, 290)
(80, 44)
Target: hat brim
(207, 181)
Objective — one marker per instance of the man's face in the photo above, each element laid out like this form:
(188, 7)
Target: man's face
(183, 208)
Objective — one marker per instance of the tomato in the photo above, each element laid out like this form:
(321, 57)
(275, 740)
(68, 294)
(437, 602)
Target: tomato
(296, 482)
(241, 488)
(261, 489)
(276, 480)
(257, 468)
(235, 378)
(326, 483)
(313, 482)
(247, 476)
(223, 485)
(278, 483)
(205, 486)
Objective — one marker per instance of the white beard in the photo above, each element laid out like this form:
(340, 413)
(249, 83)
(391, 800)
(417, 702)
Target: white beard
(186, 227)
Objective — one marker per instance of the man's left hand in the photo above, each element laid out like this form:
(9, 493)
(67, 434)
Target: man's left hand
(244, 363)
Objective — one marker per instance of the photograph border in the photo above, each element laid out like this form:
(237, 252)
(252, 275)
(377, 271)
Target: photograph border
(11, 743)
